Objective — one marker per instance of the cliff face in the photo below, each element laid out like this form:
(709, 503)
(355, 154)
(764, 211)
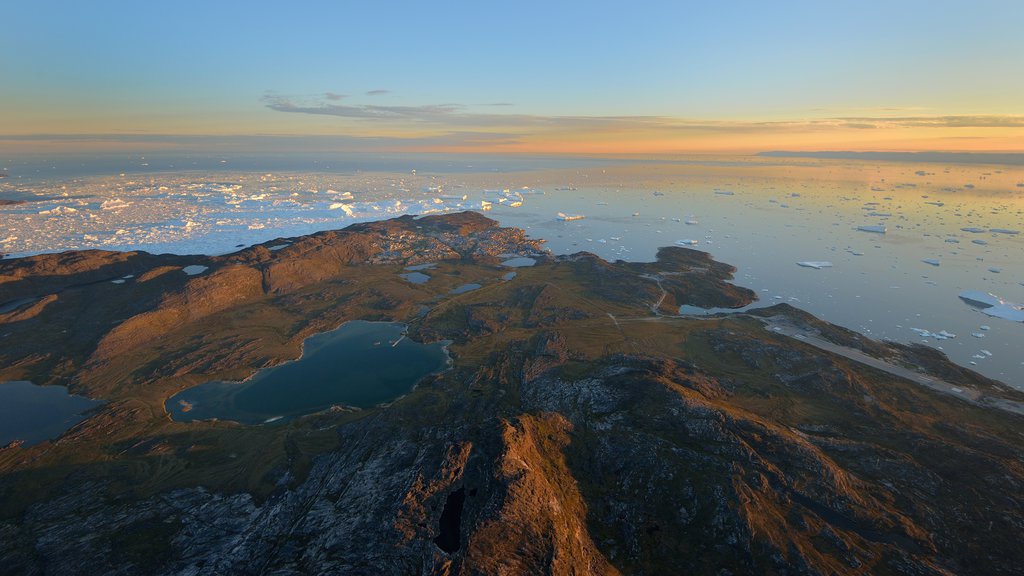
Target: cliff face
(581, 429)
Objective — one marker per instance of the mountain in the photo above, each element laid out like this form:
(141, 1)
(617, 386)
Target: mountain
(584, 427)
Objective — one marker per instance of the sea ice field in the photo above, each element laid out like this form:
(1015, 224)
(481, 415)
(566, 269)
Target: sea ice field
(881, 248)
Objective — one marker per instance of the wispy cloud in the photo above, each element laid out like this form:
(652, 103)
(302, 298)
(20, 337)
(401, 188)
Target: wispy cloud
(333, 96)
(976, 121)
(378, 92)
(429, 113)
(459, 115)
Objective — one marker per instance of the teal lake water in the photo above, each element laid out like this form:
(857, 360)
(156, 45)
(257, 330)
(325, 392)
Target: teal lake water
(361, 364)
(33, 413)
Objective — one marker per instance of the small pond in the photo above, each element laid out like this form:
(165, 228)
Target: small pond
(519, 262)
(361, 364)
(465, 288)
(415, 277)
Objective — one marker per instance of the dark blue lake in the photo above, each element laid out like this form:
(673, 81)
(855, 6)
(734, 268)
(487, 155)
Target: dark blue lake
(361, 364)
(33, 413)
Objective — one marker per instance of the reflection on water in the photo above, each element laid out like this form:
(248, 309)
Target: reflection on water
(361, 364)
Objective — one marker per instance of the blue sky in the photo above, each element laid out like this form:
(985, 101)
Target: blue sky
(198, 68)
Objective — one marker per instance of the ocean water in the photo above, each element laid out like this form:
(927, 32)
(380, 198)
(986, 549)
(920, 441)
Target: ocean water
(949, 227)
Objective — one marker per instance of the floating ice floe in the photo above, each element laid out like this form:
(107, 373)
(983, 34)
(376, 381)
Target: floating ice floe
(568, 217)
(980, 242)
(58, 211)
(347, 208)
(815, 264)
(932, 261)
(114, 204)
(687, 242)
(194, 269)
(1004, 231)
(974, 230)
(992, 305)
(877, 229)
(940, 335)
(505, 196)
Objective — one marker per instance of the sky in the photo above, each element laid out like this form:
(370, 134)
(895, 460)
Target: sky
(525, 77)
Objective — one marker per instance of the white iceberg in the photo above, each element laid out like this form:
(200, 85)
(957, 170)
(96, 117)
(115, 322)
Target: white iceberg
(568, 217)
(815, 264)
(993, 305)
(347, 208)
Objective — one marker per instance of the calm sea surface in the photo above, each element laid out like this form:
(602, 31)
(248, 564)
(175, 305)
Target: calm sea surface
(948, 227)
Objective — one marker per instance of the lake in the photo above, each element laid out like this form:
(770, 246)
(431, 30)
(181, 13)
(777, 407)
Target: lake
(361, 364)
(33, 413)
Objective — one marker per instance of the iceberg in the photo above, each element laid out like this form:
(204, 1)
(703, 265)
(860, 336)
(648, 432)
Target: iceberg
(932, 261)
(979, 298)
(940, 335)
(879, 229)
(1012, 312)
(992, 305)
(569, 217)
(686, 242)
(815, 264)
(347, 208)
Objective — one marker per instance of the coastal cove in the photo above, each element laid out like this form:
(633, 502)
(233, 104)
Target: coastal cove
(361, 364)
